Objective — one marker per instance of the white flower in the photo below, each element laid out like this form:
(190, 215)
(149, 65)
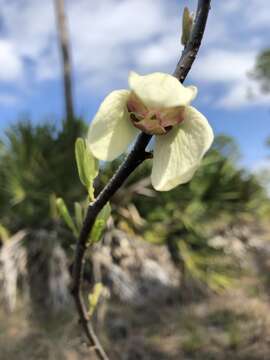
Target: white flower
(157, 104)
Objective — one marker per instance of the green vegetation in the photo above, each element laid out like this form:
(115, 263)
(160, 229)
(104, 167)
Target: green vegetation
(37, 191)
(36, 163)
(33, 176)
(184, 218)
(262, 70)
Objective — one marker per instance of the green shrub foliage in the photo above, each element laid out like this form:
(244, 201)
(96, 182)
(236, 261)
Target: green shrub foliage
(38, 166)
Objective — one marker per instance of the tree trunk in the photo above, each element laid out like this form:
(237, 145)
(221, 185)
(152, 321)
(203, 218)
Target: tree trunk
(63, 38)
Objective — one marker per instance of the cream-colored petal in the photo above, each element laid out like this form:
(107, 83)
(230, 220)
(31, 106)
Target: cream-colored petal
(177, 155)
(111, 130)
(159, 90)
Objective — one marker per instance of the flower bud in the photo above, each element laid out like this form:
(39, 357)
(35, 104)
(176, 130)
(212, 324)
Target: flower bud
(187, 24)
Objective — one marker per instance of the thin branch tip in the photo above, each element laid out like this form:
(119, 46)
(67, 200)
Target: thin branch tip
(192, 47)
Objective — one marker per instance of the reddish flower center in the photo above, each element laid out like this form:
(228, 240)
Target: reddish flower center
(153, 121)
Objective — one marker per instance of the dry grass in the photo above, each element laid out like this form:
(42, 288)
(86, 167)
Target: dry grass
(233, 325)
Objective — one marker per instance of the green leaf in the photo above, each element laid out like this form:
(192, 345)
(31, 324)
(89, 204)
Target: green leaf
(100, 224)
(4, 233)
(78, 214)
(63, 211)
(94, 297)
(87, 165)
(53, 206)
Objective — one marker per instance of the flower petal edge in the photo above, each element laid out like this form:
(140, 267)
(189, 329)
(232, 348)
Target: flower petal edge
(111, 131)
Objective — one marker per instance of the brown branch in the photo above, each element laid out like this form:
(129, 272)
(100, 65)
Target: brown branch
(133, 160)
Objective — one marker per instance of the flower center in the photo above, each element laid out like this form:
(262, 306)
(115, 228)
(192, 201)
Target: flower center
(153, 121)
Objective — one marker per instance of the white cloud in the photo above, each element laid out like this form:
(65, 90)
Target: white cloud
(261, 165)
(29, 28)
(111, 37)
(29, 24)
(230, 6)
(223, 66)
(106, 36)
(230, 70)
(251, 13)
(245, 93)
(257, 14)
(11, 68)
(163, 53)
(48, 67)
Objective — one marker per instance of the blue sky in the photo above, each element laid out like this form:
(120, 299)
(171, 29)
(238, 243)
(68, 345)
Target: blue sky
(111, 37)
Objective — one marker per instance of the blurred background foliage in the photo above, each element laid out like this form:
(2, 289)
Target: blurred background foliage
(37, 165)
(220, 195)
(37, 161)
(261, 71)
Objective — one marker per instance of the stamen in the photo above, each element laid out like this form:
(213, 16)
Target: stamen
(133, 117)
(168, 128)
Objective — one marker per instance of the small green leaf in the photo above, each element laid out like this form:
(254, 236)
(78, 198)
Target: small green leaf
(63, 211)
(87, 165)
(100, 224)
(4, 234)
(78, 214)
(53, 206)
(97, 231)
(94, 297)
(187, 24)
